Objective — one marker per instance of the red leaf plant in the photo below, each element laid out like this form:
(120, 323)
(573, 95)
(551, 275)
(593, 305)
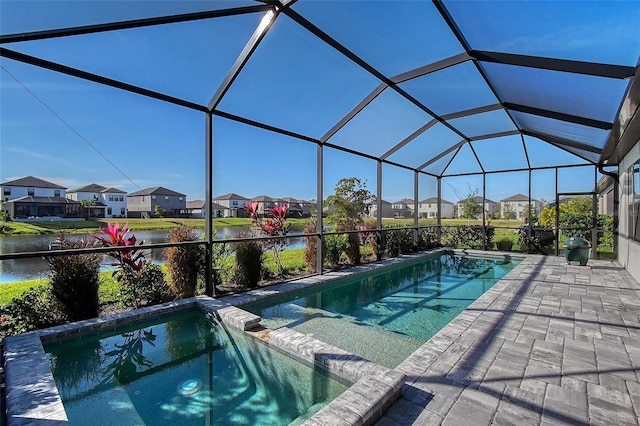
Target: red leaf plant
(117, 237)
(272, 227)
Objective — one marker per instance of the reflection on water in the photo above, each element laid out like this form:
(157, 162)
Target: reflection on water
(27, 269)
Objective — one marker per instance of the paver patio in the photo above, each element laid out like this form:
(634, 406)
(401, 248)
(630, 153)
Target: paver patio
(550, 344)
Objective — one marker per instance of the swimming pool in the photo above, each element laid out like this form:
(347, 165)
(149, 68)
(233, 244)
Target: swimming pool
(385, 315)
(184, 369)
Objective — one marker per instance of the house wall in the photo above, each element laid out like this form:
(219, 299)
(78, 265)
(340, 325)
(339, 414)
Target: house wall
(147, 203)
(113, 201)
(519, 208)
(81, 195)
(430, 210)
(489, 209)
(23, 191)
(605, 201)
(628, 249)
(171, 203)
(387, 211)
(138, 204)
(233, 206)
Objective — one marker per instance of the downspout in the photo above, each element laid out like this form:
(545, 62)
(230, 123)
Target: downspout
(616, 204)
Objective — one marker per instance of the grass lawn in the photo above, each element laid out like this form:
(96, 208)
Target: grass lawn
(108, 291)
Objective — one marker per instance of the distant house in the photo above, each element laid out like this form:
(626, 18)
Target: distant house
(31, 197)
(264, 203)
(403, 208)
(604, 190)
(516, 206)
(143, 203)
(100, 201)
(372, 209)
(490, 207)
(297, 208)
(233, 203)
(428, 208)
(196, 209)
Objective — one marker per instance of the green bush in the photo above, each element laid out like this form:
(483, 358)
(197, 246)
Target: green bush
(249, 263)
(75, 279)
(184, 263)
(352, 250)
(504, 244)
(221, 263)
(428, 238)
(374, 239)
(311, 245)
(468, 236)
(145, 287)
(33, 310)
(398, 241)
(335, 245)
(539, 240)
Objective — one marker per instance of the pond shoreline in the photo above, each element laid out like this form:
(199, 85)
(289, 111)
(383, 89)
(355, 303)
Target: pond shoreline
(94, 225)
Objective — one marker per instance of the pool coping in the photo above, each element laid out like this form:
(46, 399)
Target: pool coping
(32, 397)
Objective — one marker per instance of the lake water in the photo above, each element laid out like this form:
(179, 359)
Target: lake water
(26, 269)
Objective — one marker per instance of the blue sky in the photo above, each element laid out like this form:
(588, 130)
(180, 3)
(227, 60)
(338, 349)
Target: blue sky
(79, 132)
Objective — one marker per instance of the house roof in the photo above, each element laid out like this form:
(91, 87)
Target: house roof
(291, 200)
(230, 196)
(92, 187)
(262, 198)
(404, 201)
(156, 190)
(113, 191)
(479, 200)
(31, 181)
(43, 200)
(517, 197)
(435, 200)
(374, 202)
(199, 204)
(195, 204)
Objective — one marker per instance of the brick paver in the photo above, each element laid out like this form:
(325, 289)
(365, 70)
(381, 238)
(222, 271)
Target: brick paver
(549, 344)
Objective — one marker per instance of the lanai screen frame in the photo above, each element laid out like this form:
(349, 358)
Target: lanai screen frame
(272, 10)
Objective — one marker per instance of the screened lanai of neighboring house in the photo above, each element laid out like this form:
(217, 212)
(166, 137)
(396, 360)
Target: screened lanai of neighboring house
(420, 98)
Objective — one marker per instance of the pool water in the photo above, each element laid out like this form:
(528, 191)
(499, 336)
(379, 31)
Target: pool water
(186, 369)
(386, 315)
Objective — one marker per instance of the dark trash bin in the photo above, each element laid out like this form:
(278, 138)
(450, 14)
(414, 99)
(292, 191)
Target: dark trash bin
(576, 249)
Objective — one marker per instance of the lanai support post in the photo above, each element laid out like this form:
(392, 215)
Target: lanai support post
(319, 207)
(379, 212)
(484, 211)
(594, 214)
(415, 210)
(439, 207)
(210, 289)
(529, 207)
(557, 217)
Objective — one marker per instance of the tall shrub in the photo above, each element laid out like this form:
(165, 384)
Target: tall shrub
(221, 263)
(183, 262)
(353, 240)
(311, 245)
(249, 261)
(335, 245)
(75, 279)
(272, 227)
(372, 238)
